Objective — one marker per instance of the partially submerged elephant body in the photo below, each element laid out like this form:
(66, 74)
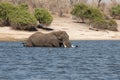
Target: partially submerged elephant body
(53, 39)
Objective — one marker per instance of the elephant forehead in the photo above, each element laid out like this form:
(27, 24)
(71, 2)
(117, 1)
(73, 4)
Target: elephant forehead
(65, 36)
(49, 36)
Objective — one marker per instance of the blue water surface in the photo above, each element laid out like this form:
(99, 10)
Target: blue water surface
(91, 60)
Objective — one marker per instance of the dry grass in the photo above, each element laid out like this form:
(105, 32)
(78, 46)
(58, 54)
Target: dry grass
(61, 7)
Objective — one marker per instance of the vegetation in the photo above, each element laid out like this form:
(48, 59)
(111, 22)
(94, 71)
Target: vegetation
(23, 20)
(115, 11)
(84, 11)
(63, 6)
(96, 18)
(23, 6)
(104, 24)
(5, 9)
(112, 25)
(17, 17)
(43, 16)
(93, 13)
(79, 11)
(99, 23)
(1, 22)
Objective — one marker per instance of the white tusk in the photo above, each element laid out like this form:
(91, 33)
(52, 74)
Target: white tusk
(64, 45)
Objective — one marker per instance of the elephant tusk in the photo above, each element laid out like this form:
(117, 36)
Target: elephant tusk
(64, 45)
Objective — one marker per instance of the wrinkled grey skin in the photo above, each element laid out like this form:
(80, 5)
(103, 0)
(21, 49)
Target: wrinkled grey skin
(53, 39)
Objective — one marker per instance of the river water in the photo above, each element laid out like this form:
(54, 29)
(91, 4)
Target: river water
(91, 60)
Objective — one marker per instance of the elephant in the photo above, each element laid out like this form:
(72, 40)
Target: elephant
(52, 39)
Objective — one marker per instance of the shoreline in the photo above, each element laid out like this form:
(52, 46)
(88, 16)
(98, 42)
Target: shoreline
(76, 31)
(24, 39)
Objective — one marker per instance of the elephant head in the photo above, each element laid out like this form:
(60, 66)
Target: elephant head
(63, 38)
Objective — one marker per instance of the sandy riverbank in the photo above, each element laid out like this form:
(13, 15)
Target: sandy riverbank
(76, 31)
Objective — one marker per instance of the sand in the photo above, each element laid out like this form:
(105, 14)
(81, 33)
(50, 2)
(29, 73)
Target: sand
(76, 31)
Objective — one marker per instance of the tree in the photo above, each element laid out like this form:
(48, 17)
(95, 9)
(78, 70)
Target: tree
(99, 1)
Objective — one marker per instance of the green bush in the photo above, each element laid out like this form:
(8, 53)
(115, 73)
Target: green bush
(84, 11)
(23, 6)
(43, 16)
(93, 13)
(5, 9)
(22, 20)
(80, 10)
(1, 22)
(112, 25)
(99, 23)
(115, 11)
(17, 17)
(104, 24)
(94, 16)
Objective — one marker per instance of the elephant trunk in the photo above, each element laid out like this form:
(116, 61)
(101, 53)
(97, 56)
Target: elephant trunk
(67, 43)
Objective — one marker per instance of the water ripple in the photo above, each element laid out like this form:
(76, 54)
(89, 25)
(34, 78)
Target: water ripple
(92, 60)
